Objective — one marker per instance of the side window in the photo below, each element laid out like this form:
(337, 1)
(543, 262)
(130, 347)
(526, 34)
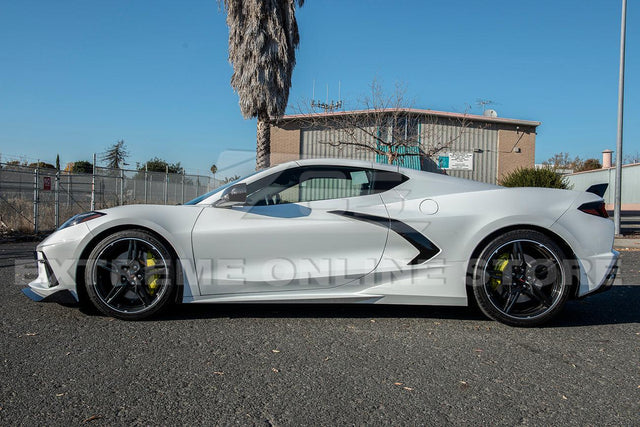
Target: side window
(335, 183)
(386, 180)
(309, 183)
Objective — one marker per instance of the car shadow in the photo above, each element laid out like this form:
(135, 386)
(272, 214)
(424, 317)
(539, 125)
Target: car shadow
(311, 310)
(619, 305)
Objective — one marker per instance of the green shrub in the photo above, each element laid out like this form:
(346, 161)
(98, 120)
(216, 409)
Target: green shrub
(531, 177)
(82, 166)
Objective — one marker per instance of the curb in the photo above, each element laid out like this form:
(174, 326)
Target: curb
(626, 244)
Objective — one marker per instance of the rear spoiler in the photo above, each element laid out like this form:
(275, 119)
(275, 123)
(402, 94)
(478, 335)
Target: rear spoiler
(598, 189)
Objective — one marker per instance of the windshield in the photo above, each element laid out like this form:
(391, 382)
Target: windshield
(217, 190)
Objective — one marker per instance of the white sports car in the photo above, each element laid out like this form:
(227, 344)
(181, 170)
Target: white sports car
(339, 231)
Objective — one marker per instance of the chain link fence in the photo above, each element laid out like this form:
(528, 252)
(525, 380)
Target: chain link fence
(36, 200)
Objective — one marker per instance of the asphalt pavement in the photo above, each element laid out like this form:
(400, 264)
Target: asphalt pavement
(318, 365)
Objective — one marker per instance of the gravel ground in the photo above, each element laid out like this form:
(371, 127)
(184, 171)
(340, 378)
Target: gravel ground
(318, 365)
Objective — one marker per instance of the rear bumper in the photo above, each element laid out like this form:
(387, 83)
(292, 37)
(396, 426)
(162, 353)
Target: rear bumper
(604, 270)
(608, 280)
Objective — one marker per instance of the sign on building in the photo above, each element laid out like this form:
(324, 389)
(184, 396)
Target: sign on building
(462, 161)
(46, 183)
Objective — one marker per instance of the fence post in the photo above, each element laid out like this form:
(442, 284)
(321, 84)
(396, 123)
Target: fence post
(68, 188)
(166, 185)
(145, 183)
(182, 197)
(121, 187)
(35, 201)
(93, 184)
(57, 199)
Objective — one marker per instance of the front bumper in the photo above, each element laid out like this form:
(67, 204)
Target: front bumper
(46, 286)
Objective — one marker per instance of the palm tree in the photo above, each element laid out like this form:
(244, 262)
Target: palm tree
(263, 36)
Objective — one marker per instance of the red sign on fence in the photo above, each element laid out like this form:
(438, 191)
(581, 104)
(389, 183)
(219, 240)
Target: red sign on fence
(46, 181)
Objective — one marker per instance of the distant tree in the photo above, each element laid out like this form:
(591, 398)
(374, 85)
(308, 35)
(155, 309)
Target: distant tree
(563, 161)
(213, 169)
(589, 164)
(116, 155)
(41, 165)
(532, 177)
(263, 36)
(81, 166)
(632, 158)
(229, 179)
(158, 165)
(58, 162)
(13, 165)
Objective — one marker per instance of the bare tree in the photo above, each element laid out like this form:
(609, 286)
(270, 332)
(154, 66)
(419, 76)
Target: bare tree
(632, 158)
(386, 124)
(589, 165)
(563, 161)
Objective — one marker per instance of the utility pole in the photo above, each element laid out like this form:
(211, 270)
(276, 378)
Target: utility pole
(617, 204)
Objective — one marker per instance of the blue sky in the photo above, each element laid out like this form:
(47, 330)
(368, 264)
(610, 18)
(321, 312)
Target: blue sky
(77, 75)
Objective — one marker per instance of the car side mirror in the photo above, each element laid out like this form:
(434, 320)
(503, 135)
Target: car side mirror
(232, 196)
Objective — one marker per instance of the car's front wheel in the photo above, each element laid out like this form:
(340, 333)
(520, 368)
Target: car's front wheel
(521, 278)
(130, 275)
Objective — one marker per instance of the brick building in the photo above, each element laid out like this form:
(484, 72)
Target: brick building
(484, 148)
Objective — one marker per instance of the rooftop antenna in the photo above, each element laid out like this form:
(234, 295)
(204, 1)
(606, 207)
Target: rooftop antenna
(484, 103)
(327, 106)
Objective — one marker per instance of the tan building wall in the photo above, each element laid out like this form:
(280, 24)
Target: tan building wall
(285, 143)
(510, 141)
(499, 145)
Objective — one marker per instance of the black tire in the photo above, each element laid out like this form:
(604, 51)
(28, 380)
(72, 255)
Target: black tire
(130, 275)
(521, 278)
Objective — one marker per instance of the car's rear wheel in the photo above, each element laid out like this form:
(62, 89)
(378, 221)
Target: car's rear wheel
(130, 275)
(521, 278)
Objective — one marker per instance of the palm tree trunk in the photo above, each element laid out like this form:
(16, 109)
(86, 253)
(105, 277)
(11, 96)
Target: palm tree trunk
(263, 148)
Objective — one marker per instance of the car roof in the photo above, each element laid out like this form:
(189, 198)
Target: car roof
(345, 162)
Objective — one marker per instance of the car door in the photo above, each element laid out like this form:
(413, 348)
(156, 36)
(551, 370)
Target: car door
(297, 230)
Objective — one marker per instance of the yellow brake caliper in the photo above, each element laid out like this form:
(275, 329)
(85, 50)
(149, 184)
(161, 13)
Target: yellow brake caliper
(501, 265)
(152, 282)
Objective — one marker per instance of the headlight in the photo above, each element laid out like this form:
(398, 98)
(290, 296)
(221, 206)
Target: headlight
(83, 217)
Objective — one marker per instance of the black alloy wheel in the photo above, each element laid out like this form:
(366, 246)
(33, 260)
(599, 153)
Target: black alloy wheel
(522, 278)
(130, 275)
